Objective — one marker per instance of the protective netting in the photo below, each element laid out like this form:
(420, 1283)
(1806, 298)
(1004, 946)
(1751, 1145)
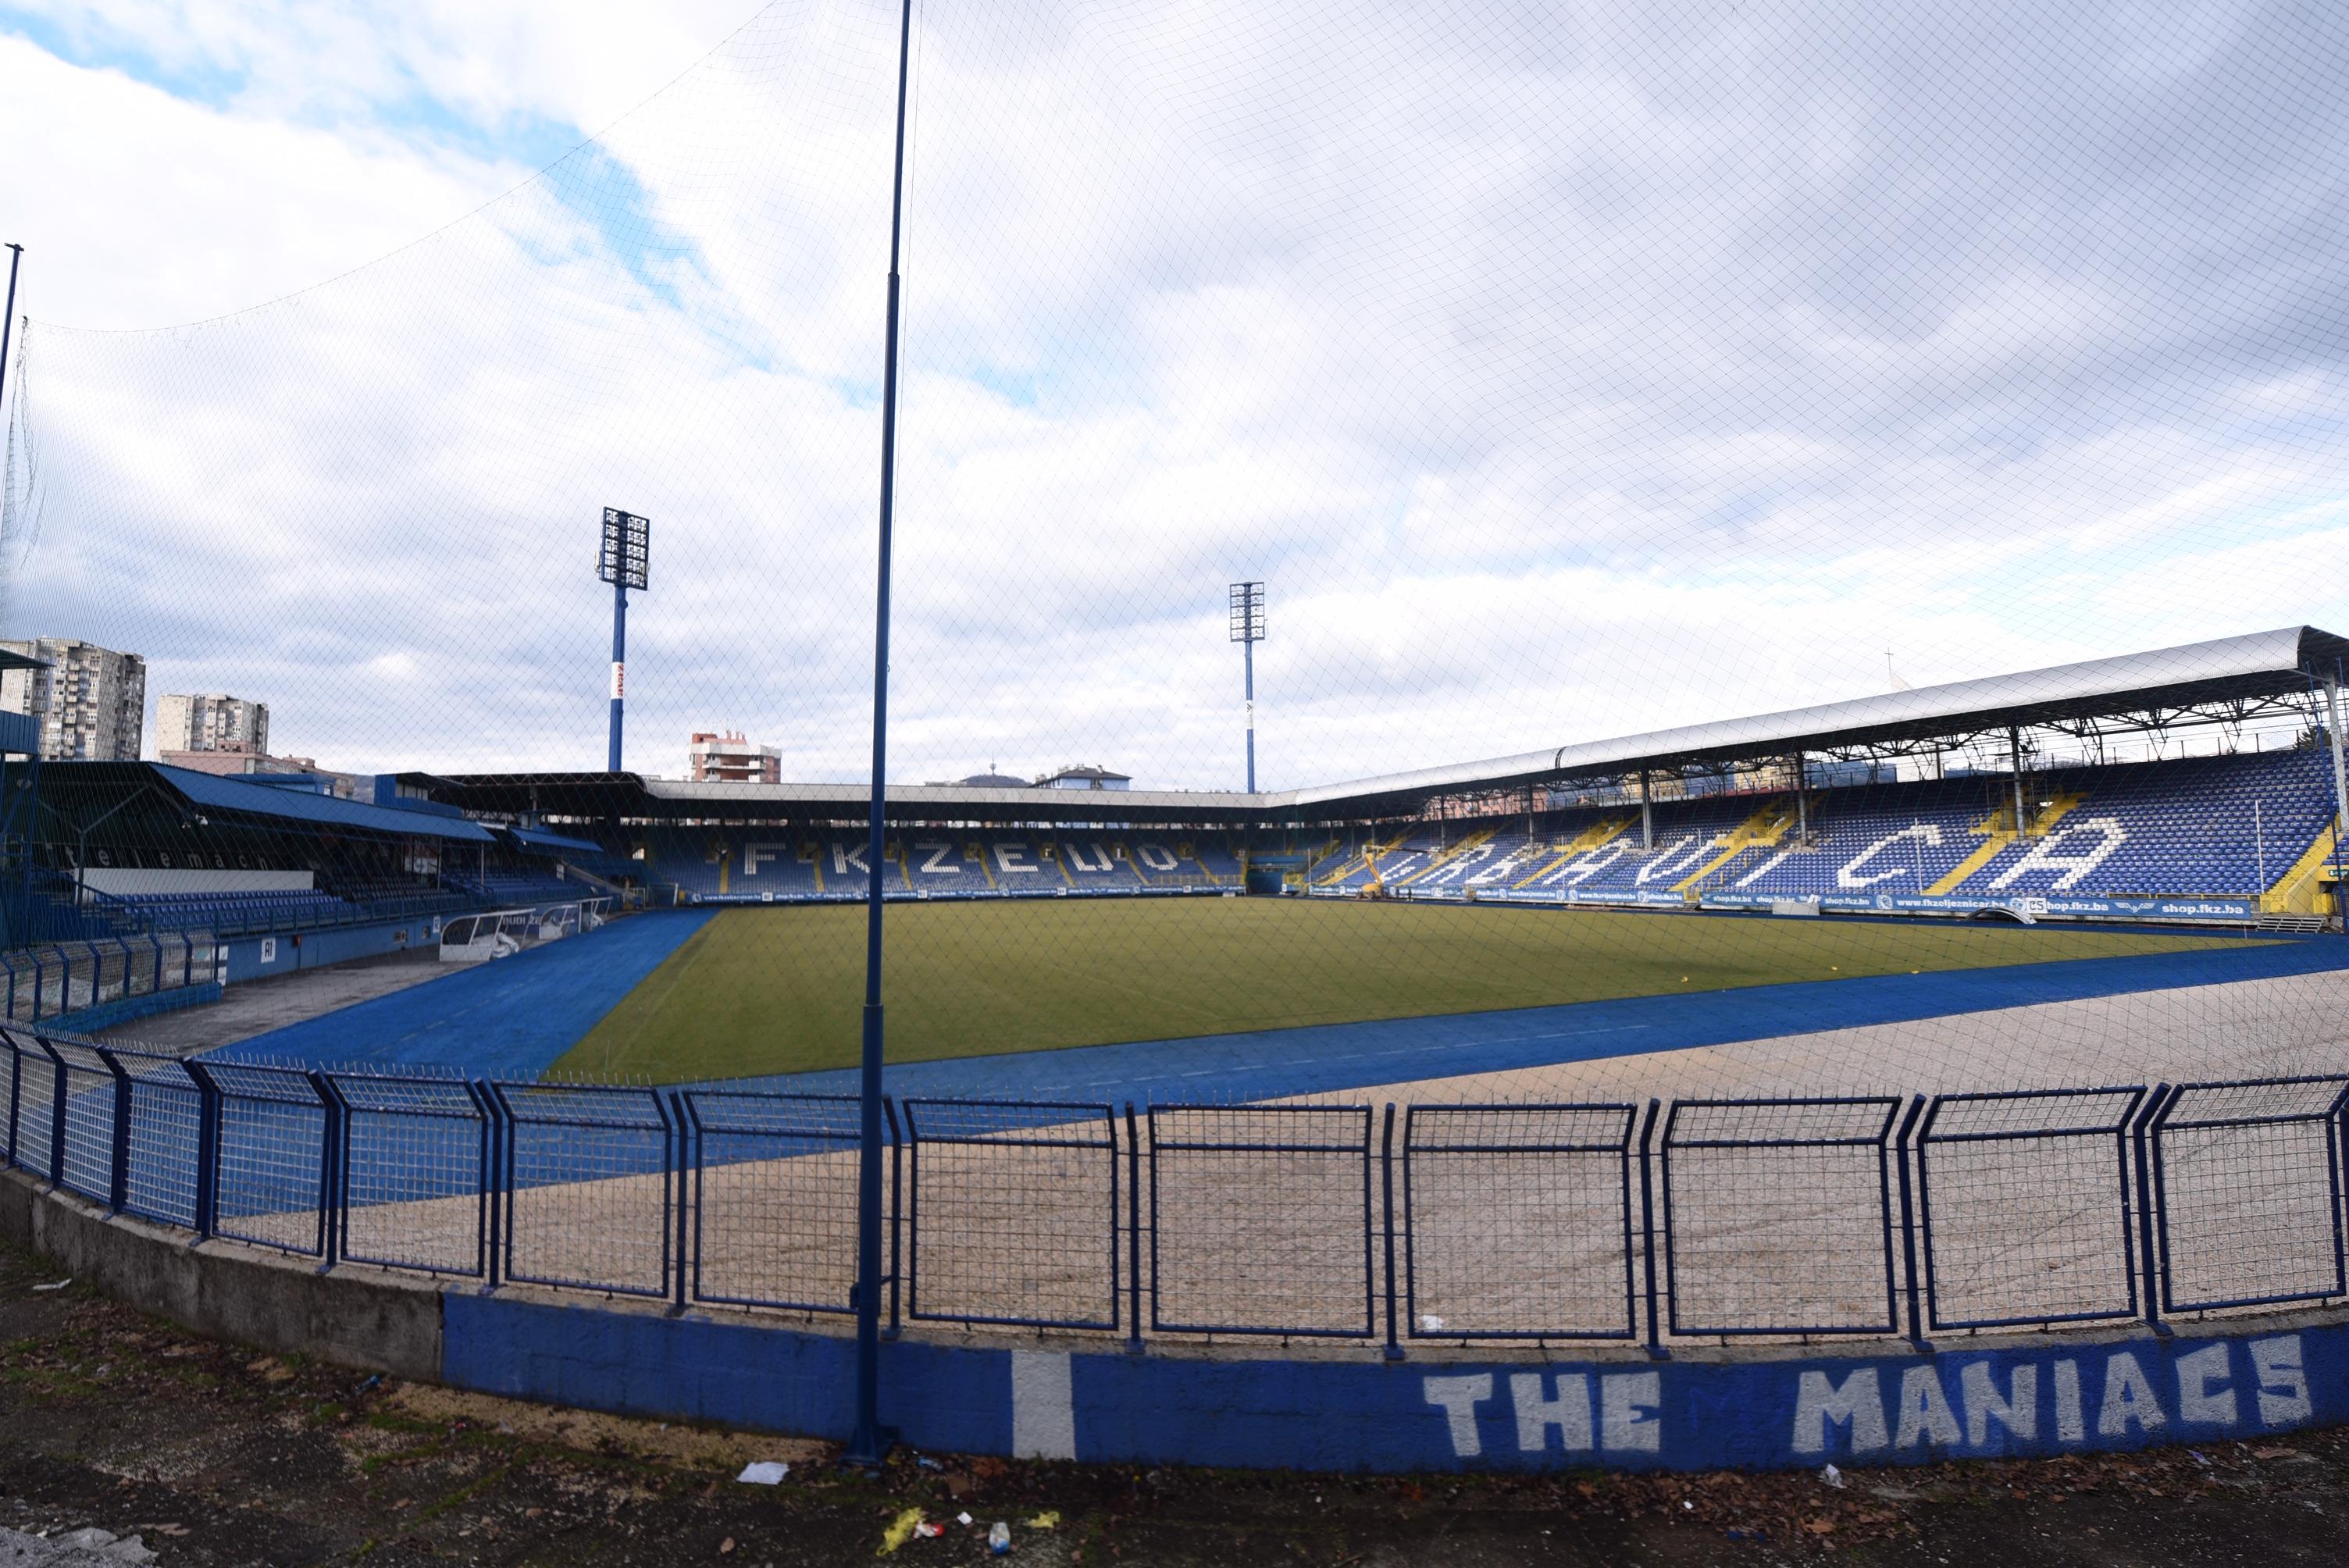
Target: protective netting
(1563, 373)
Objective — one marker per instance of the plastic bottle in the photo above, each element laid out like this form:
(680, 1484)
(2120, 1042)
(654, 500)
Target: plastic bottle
(998, 1538)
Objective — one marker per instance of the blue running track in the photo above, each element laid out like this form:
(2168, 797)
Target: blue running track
(512, 1019)
(507, 1019)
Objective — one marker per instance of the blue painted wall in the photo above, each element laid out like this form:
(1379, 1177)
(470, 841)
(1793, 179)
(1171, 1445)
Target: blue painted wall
(2043, 1397)
(259, 957)
(739, 1374)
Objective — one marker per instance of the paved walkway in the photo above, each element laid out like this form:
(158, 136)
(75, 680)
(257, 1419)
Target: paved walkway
(258, 1007)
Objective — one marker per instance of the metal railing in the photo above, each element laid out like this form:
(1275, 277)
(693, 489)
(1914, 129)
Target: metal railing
(1672, 1222)
(39, 984)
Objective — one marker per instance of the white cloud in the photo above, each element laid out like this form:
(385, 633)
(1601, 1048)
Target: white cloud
(1565, 376)
(136, 207)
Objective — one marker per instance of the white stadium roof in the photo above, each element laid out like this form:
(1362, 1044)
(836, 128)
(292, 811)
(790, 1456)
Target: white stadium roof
(2231, 677)
(2253, 668)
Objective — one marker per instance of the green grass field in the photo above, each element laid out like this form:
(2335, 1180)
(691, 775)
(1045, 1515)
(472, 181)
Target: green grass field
(780, 990)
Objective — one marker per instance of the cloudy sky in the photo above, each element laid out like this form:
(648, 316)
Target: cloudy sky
(1567, 370)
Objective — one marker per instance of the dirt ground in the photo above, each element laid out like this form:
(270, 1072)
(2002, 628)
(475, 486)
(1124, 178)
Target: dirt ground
(217, 1455)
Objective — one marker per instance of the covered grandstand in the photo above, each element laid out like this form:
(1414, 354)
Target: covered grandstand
(136, 886)
(1990, 795)
(1996, 795)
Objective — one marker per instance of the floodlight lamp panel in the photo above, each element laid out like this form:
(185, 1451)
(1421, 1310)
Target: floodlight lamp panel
(626, 551)
(1247, 613)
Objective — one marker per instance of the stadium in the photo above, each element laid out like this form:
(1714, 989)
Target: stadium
(1209, 1007)
(1635, 1029)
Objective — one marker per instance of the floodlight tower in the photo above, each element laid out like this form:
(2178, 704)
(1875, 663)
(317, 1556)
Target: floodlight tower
(622, 562)
(1247, 631)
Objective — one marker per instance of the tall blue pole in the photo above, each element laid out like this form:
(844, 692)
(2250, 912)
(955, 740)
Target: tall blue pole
(2340, 790)
(7, 321)
(32, 775)
(1248, 660)
(868, 1444)
(619, 667)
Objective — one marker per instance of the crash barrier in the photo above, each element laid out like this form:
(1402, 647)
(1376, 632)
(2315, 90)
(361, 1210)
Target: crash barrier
(39, 984)
(1643, 1222)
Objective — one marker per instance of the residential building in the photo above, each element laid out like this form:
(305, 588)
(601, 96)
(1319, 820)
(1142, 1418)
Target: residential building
(240, 762)
(732, 759)
(211, 722)
(1084, 776)
(90, 702)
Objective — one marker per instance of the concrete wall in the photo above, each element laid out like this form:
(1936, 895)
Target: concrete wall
(129, 1009)
(1341, 1408)
(256, 957)
(240, 1293)
(125, 882)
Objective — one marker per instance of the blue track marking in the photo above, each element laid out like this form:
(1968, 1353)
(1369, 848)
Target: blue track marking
(1332, 1057)
(506, 1019)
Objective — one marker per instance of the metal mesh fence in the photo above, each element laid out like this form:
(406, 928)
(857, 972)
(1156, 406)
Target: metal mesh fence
(31, 1083)
(413, 1176)
(39, 1145)
(775, 1197)
(1260, 1219)
(12, 1077)
(165, 1121)
(89, 1155)
(1013, 1212)
(1777, 1216)
(588, 1187)
(2247, 1183)
(2027, 1205)
(1534, 1221)
(269, 1155)
(1516, 1222)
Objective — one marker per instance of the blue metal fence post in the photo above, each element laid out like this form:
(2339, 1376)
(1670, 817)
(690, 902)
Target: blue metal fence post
(2147, 1267)
(2337, 1120)
(685, 1159)
(1648, 1227)
(501, 1162)
(688, 1207)
(208, 1138)
(1386, 1179)
(1116, 1286)
(2154, 1120)
(1901, 1152)
(897, 1214)
(56, 1114)
(1133, 1233)
(118, 1176)
(332, 1169)
(15, 1097)
(485, 1223)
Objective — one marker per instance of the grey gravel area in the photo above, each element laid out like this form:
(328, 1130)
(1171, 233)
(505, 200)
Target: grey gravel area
(87, 1548)
(257, 1006)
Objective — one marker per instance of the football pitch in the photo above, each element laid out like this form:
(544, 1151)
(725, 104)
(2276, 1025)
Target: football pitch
(780, 990)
